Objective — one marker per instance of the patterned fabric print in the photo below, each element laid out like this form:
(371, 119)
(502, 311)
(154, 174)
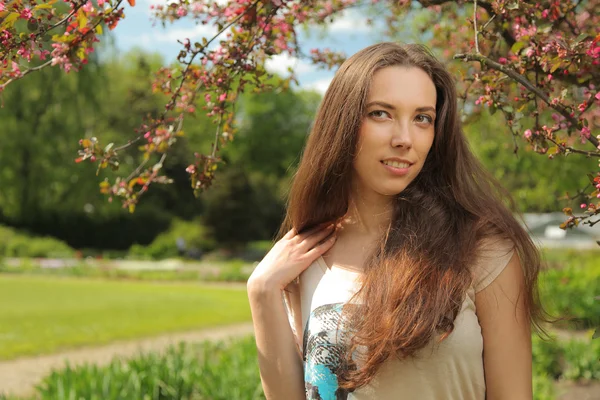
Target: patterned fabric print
(323, 353)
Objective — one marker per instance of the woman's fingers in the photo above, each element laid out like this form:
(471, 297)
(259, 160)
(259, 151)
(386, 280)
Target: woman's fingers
(321, 248)
(290, 234)
(312, 240)
(302, 236)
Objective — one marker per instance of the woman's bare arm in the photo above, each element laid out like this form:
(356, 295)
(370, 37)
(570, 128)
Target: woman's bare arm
(281, 370)
(506, 336)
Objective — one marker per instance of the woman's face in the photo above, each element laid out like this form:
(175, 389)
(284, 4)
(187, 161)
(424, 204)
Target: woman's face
(396, 131)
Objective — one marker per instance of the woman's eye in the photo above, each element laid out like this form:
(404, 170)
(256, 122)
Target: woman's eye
(379, 114)
(424, 118)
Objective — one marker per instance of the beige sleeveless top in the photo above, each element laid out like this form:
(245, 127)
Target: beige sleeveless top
(452, 369)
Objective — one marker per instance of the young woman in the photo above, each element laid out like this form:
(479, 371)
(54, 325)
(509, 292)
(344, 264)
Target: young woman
(399, 273)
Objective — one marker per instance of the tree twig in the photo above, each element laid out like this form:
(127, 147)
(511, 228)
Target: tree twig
(568, 149)
(475, 26)
(483, 60)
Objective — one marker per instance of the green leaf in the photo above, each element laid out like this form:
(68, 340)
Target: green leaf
(43, 6)
(517, 47)
(10, 20)
(581, 37)
(513, 5)
(555, 66)
(32, 25)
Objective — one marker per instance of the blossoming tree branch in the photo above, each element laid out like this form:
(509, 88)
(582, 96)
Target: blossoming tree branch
(535, 62)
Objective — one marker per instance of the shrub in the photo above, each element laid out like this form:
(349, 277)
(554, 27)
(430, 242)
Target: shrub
(573, 360)
(217, 371)
(547, 355)
(569, 288)
(17, 244)
(582, 360)
(194, 233)
(543, 387)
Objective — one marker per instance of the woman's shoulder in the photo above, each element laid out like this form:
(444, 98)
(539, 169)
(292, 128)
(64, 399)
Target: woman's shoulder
(492, 255)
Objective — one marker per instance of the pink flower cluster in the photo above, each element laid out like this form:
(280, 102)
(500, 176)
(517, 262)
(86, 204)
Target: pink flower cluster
(521, 27)
(59, 56)
(26, 13)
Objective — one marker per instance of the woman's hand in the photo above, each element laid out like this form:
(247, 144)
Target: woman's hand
(290, 256)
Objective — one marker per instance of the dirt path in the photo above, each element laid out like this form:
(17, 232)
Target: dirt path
(19, 377)
(578, 391)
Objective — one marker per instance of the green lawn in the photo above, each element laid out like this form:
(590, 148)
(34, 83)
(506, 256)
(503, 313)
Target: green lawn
(40, 314)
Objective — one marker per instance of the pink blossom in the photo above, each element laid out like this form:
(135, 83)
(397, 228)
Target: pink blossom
(101, 3)
(2, 6)
(583, 205)
(545, 13)
(594, 50)
(197, 7)
(549, 77)
(207, 97)
(530, 52)
(88, 7)
(42, 54)
(24, 52)
(26, 13)
(191, 169)
(597, 96)
(223, 97)
(585, 134)
(181, 12)
(527, 133)
(502, 60)
(15, 69)
(585, 131)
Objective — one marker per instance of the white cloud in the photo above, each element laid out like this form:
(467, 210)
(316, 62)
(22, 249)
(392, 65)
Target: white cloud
(147, 3)
(349, 21)
(170, 35)
(192, 33)
(279, 64)
(320, 85)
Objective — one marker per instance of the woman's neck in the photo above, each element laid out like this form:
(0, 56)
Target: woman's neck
(368, 215)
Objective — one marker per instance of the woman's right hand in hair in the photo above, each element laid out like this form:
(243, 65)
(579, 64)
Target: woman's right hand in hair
(290, 256)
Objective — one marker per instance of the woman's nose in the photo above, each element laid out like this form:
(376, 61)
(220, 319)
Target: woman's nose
(401, 135)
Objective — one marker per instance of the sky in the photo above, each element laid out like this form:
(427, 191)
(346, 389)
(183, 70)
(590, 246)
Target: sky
(349, 33)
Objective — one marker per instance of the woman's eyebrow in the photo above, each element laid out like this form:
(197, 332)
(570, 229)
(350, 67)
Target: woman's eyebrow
(421, 109)
(391, 107)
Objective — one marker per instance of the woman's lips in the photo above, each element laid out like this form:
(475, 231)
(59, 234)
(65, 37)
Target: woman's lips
(397, 170)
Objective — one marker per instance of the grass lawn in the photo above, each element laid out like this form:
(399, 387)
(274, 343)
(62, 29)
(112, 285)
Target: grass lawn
(42, 314)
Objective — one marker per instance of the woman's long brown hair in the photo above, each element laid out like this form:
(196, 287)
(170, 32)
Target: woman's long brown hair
(415, 281)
